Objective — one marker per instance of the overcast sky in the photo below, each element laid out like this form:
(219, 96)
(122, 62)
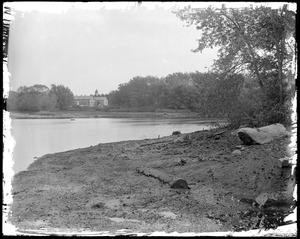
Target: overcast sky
(87, 47)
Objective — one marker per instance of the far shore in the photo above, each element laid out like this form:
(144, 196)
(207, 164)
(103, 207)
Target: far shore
(100, 114)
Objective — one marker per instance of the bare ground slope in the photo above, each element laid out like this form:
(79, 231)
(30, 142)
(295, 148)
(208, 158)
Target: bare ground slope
(101, 188)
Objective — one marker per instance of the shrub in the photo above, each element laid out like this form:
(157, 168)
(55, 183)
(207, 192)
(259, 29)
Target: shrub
(257, 108)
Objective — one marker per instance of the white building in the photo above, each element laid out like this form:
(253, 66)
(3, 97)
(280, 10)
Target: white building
(91, 101)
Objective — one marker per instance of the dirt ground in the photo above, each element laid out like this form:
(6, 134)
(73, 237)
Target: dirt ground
(101, 188)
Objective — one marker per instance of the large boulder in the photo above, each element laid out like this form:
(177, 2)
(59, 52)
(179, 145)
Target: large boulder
(261, 135)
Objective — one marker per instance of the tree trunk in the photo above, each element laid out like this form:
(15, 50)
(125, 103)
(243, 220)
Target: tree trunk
(280, 48)
(254, 62)
(280, 81)
(280, 78)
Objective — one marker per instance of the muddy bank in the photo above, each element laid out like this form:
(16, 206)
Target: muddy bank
(126, 185)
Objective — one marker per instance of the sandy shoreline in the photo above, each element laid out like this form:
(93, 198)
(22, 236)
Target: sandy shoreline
(101, 188)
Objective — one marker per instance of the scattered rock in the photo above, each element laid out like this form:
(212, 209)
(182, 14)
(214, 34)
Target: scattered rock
(168, 215)
(236, 152)
(98, 205)
(181, 162)
(240, 147)
(179, 140)
(113, 204)
(180, 183)
(261, 199)
(187, 137)
(200, 158)
(176, 133)
(124, 157)
(217, 137)
(261, 135)
(283, 162)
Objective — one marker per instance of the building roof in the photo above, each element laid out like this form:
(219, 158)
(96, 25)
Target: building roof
(83, 97)
(100, 98)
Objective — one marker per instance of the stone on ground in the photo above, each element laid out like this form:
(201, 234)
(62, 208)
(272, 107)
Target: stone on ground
(179, 140)
(180, 184)
(283, 162)
(261, 135)
(181, 162)
(262, 198)
(168, 215)
(236, 152)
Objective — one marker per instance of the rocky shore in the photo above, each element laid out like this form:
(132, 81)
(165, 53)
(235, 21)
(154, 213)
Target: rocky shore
(130, 185)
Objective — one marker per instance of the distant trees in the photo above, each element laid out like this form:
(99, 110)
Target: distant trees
(40, 97)
(210, 94)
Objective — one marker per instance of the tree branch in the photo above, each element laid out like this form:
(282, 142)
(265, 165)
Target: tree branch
(250, 49)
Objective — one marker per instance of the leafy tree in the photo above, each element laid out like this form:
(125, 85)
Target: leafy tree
(226, 93)
(39, 88)
(178, 78)
(64, 96)
(276, 28)
(28, 99)
(249, 39)
(158, 94)
(12, 101)
(33, 98)
(47, 101)
(123, 95)
(40, 97)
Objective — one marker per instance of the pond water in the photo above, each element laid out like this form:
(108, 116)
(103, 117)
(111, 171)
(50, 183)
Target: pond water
(37, 137)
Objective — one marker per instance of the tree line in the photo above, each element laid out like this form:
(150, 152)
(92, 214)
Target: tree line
(40, 97)
(210, 94)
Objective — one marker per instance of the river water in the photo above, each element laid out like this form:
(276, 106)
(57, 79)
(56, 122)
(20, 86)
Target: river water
(37, 137)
